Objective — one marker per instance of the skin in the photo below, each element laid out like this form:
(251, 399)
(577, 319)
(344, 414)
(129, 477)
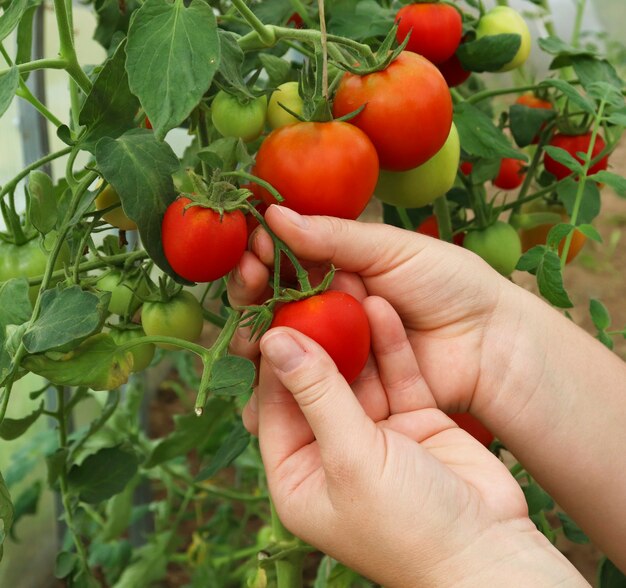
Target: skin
(452, 336)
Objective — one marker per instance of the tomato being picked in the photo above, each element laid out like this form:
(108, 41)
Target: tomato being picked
(435, 28)
(407, 110)
(510, 175)
(573, 144)
(336, 321)
(327, 168)
(200, 244)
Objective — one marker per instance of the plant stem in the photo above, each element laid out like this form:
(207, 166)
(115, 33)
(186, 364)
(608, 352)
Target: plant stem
(444, 223)
(324, 44)
(405, 219)
(289, 568)
(580, 10)
(265, 33)
(498, 92)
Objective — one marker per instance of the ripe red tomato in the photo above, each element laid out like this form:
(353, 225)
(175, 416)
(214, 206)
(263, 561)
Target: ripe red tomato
(466, 167)
(511, 174)
(326, 168)
(435, 29)
(474, 427)
(573, 144)
(532, 101)
(200, 245)
(336, 320)
(453, 71)
(296, 20)
(408, 110)
(429, 227)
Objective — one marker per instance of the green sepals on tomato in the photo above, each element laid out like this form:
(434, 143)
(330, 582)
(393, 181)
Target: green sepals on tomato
(510, 175)
(407, 110)
(430, 227)
(326, 168)
(233, 116)
(498, 244)
(424, 184)
(574, 144)
(200, 243)
(336, 321)
(180, 316)
(503, 20)
(142, 353)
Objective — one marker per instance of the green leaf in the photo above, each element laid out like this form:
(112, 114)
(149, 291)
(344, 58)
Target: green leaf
(15, 309)
(559, 154)
(13, 428)
(572, 531)
(25, 36)
(56, 463)
(479, 136)
(225, 154)
(615, 181)
(9, 82)
(590, 232)
(489, 53)
(332, 574)
(571, 93)
(231, 62)
(556, 46)
(589, 203)
(557, 233)
(25, 504)
(113, 19)
(231, 376)
(526, 122)
(591, 70)
(118, 512)
(96, 363)
(149, 563)
(609, 576)
(173, 53)
(109, 110)
(359, 19)
(530, 261)
(11, 17)
(6, 513)
(606, 92)
(140, 170)
(618, 118)
(66, 316)
(190, 432)
(42, 203)
(65, 564)
(550, 280)
(103, 474)
(484, 170)
(537, 498)
(234, 445)
(599, 315)
(278, 70)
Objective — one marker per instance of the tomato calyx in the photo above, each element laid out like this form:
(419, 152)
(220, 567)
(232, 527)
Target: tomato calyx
(219, 194)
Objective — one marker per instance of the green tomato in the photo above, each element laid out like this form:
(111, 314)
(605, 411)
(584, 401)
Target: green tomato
(142, 354)
(499, 245)
(233, 118)
(123, 300)
(288, 95)
(504, 20)
(115, 217)
(423, 184)
(28, 261)
(181, 317)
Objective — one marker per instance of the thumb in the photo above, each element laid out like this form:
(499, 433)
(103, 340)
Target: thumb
(335, 416)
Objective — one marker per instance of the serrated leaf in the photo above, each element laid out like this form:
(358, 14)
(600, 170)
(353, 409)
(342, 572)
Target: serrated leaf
(479, 136)
(591, 71)
(615, 181)
(530, 261)
(13, 428)
(571, 93)
(527, 122)
(42, 203)
(359, 19)
(96, 363)
(103, 474)
(66, 316)
(556, 46)
(277, 69)
(606, 92)
(110, 108)
(589, 203)
(557, 233)
(234, 445)
(559, 154)
(25, 36)
(9, 82)
(537, 499)
(11, 17)
(225, 153)
(484, 170)
(149, 564)
(140, 170)
(599, 315)
(617, 118)
(550, 280)
(231, 375)
(25, 504)
(55, 464)
(489, 53)
(231, 62)
(173, 53)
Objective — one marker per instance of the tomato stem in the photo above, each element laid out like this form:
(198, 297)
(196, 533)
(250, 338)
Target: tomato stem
(324, 45)
(405, 219)
(289, 567)
(444, 223)
(265, 33)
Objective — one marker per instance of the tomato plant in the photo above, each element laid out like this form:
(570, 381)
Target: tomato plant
(288, 95)
(115, 217)
(180, 316)
(335, 320)
(319, 168)
(234, 117)
(510, 175)
(435, 29)
(142, 354)
(575, 144)
(201, 244)
(126, 293)
(453, 72)
(499, 245)
(407, 128)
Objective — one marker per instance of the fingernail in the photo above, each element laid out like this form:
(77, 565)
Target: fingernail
(238, 277)
(253, 403)
(293, 217)
(282, 351)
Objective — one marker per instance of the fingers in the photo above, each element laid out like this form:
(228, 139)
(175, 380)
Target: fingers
(248, 282)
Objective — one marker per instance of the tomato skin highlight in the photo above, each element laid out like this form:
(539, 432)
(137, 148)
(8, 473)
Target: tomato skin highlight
(573, 144)
(336, 321)
(328, 168)
(430, 227)
(474, 427)
(436, 30)
(198, 244)
(499, 245)
(408, 110)
(510, 175)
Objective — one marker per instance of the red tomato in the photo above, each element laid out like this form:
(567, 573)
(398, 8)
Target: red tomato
(429, 227)
(408, 110)
(532, 101)
(326, 168)
(337, 322)
(198, 244)
(474, 427)
(148, 123)
(511, 174)
(435, 29)
(453, 71)
(466, 168)
(296, 20)
(573, 144)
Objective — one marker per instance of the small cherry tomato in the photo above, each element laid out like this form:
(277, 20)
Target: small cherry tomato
(574, 144)
(453, 71)
(510, 175)
(430, 227)
(234, 118)
(288, 95)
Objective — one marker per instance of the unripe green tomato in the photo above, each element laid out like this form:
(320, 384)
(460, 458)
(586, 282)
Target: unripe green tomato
(233, 118)
(499, 245)
(116, 217)
(503, 20)
(123, 300)
(423, 184)
(142, 354)
(181, 317)
(288, 95)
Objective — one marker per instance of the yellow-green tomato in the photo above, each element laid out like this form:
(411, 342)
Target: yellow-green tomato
(288, 95)
(499, 245)
(423, 184)
(180, 316)
(126, 293)
(235, 118)
(115, 217)
(503, 20)
(142, 354)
